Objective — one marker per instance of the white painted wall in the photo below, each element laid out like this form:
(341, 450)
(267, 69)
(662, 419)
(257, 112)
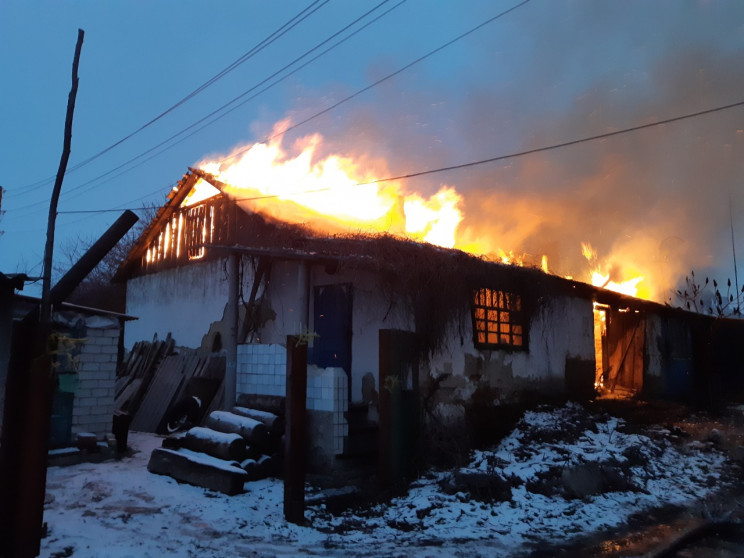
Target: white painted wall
(286, 291)
(93, 407)
(186, 300)
(561, 328)
(370, 312)
(183, 301)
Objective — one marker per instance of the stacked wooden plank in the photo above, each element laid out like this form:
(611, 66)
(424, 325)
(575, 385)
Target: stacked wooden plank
(154, 380)
(229, 451)
(171, 375)
(202, 382)
(135, 375)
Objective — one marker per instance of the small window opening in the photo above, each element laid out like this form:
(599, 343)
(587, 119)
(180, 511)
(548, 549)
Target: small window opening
(498, 320)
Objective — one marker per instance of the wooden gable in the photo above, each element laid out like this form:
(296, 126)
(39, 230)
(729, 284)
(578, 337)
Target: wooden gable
(179, 233)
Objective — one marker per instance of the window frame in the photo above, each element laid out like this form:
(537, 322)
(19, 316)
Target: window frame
(500, 313)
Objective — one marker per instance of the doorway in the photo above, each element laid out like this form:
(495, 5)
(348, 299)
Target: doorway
(332, 324)
(619, 344)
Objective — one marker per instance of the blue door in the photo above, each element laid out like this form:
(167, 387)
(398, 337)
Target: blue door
(332, 324)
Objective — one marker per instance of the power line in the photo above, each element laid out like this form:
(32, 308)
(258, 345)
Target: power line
(150, 150)
(483, 161)
(286, 27)
(384, 79)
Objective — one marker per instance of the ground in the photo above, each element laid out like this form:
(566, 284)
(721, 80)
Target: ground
(605, 479)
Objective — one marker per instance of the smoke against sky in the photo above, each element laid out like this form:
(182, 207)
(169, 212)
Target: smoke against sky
(655, 202)
(548, 72)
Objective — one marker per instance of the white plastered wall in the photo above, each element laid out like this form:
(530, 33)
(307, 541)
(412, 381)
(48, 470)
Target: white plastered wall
(183, 301)
(560, 328)
(371, 311)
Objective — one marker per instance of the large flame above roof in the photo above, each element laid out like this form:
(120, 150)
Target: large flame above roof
(333, 193)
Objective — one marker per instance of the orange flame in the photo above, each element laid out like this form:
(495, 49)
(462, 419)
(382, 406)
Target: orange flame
(605, 279)
(336, 194)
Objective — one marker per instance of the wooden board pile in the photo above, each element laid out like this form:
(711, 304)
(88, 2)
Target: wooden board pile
(155, 382)
(134, 377)
(230, 449)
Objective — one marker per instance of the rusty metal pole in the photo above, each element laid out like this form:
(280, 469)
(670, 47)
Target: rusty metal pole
(92, 257)
(295, 432)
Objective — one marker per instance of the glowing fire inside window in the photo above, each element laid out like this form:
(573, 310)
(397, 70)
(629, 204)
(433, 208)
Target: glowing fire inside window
(498, 319)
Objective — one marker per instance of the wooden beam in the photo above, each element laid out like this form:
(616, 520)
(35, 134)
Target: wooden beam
(295, 434)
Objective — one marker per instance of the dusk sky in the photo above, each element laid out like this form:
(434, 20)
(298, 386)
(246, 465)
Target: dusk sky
(660, 200)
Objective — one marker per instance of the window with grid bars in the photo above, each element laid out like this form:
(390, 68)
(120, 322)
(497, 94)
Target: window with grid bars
(498, 320)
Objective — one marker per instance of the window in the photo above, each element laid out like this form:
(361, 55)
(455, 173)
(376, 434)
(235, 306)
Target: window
(498, 320)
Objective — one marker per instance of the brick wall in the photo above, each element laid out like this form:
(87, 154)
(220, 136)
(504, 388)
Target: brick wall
(93, 407)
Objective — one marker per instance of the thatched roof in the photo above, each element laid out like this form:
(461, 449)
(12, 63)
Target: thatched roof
(392, 256)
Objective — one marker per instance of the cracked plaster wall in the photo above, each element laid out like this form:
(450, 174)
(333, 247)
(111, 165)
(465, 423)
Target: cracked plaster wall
(559, 329)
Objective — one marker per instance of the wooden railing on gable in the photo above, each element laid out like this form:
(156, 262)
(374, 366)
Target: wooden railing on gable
(186, 232)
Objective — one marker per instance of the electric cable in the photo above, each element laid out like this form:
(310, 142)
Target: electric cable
(286, 27)
(66, 194)
(494, 159)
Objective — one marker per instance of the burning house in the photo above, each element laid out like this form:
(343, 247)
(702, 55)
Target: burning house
(403, 336)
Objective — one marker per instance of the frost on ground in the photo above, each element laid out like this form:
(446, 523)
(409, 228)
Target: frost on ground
(560, 474)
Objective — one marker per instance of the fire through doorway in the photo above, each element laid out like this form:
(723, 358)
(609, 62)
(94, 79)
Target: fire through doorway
(619, 343)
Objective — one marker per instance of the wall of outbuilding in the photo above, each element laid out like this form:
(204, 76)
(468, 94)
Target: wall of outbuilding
(560, 330)
(183, 301)
(290, 295)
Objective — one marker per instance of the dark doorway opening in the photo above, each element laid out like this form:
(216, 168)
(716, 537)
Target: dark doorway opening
(619, 344)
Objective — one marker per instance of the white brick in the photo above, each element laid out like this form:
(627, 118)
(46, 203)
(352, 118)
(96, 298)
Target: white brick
(96, 358)
(87, 365)
(80, 411)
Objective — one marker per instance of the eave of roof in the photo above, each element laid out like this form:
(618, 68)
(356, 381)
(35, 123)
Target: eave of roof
(33, 301)
(179, 193)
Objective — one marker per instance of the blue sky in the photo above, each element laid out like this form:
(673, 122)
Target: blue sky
(548, 72)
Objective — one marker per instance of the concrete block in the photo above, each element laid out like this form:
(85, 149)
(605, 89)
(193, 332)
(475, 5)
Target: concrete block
(94, 357)
(88, 366)
(91, 348)
(83, 392)
(79, 410)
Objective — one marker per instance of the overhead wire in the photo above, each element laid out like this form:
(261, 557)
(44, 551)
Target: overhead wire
(381, 80)
(66, 194)
(494, 159)
(273, 84)
(286, 27)
(310, 118)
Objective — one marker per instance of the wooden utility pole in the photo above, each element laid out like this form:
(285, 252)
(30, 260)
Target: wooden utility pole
(24, 472)
(46, 306)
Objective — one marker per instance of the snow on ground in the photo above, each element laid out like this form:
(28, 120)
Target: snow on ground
(503, 502)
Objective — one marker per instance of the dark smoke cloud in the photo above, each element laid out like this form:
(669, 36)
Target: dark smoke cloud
(657, 200)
